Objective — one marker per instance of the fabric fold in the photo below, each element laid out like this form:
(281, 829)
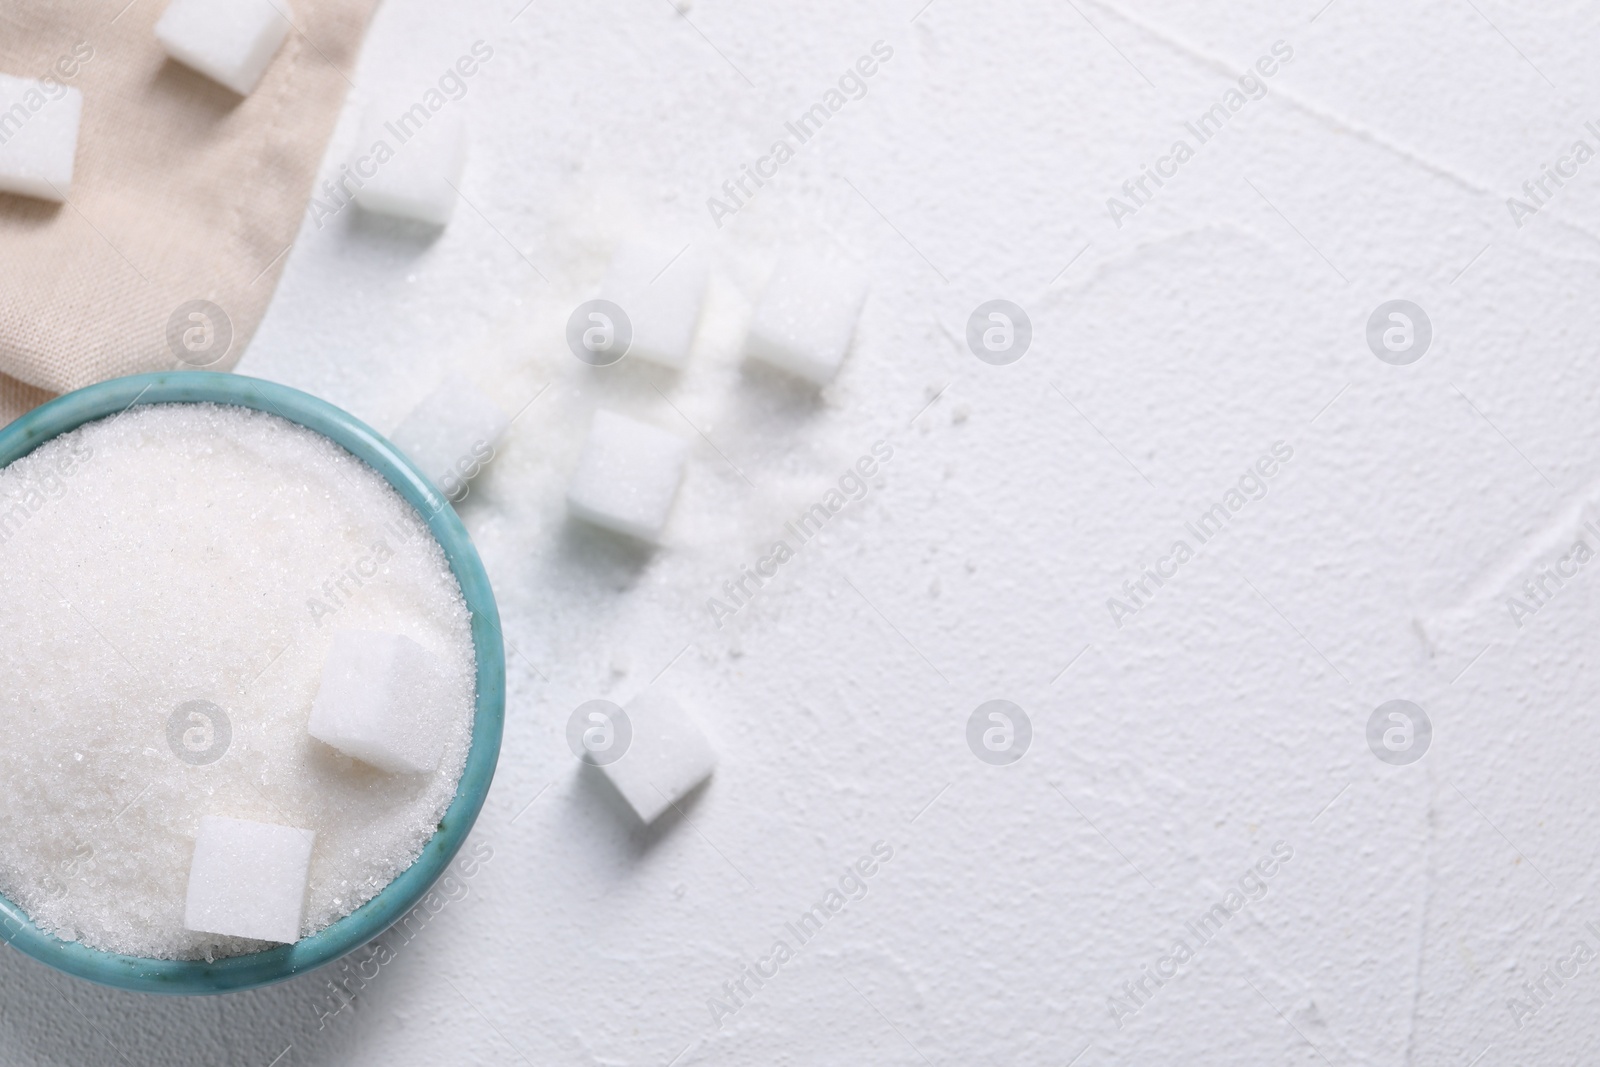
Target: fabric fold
(185, 197)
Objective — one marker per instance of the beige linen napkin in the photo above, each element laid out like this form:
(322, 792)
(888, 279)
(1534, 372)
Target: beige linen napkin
(182, 192)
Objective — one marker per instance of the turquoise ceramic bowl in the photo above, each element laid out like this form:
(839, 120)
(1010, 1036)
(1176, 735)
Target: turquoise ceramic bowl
(371, 919)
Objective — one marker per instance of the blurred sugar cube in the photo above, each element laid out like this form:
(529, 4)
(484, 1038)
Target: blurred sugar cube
(452, 434)
(38, 136)
(666, 758)
(807, 317)
(229, 41)
(248, 879)
(409, 161)
(383, 700)
(661, 290)
(627, 476)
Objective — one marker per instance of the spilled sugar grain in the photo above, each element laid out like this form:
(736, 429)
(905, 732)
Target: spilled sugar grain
(196, 553)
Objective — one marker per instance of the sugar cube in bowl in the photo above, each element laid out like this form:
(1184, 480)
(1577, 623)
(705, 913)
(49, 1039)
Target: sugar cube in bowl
(248, 879)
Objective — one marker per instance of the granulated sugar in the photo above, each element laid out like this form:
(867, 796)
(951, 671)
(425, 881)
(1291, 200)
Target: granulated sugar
(171, 579)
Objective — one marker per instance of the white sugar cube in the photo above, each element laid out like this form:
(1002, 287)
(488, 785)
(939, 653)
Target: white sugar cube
(382, 701)
(409, 161)
(807, 317)
(248, 879)
(661, 290)
(627, 476)
(229, 41)
(38, 136)
(452, 434)
(666, 758)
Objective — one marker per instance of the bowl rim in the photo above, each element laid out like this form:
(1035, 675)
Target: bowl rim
(252, 970)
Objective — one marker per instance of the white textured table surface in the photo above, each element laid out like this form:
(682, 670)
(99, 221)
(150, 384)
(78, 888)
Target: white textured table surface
(1228, 712)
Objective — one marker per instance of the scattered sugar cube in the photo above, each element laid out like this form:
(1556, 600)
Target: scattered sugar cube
(807, 317)
(38, 136)
(661, 290)
(415, 159)
(248, 879)
(229, 41)
(667, 757)
(382, 701)
(627, 476)
(452, 433)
